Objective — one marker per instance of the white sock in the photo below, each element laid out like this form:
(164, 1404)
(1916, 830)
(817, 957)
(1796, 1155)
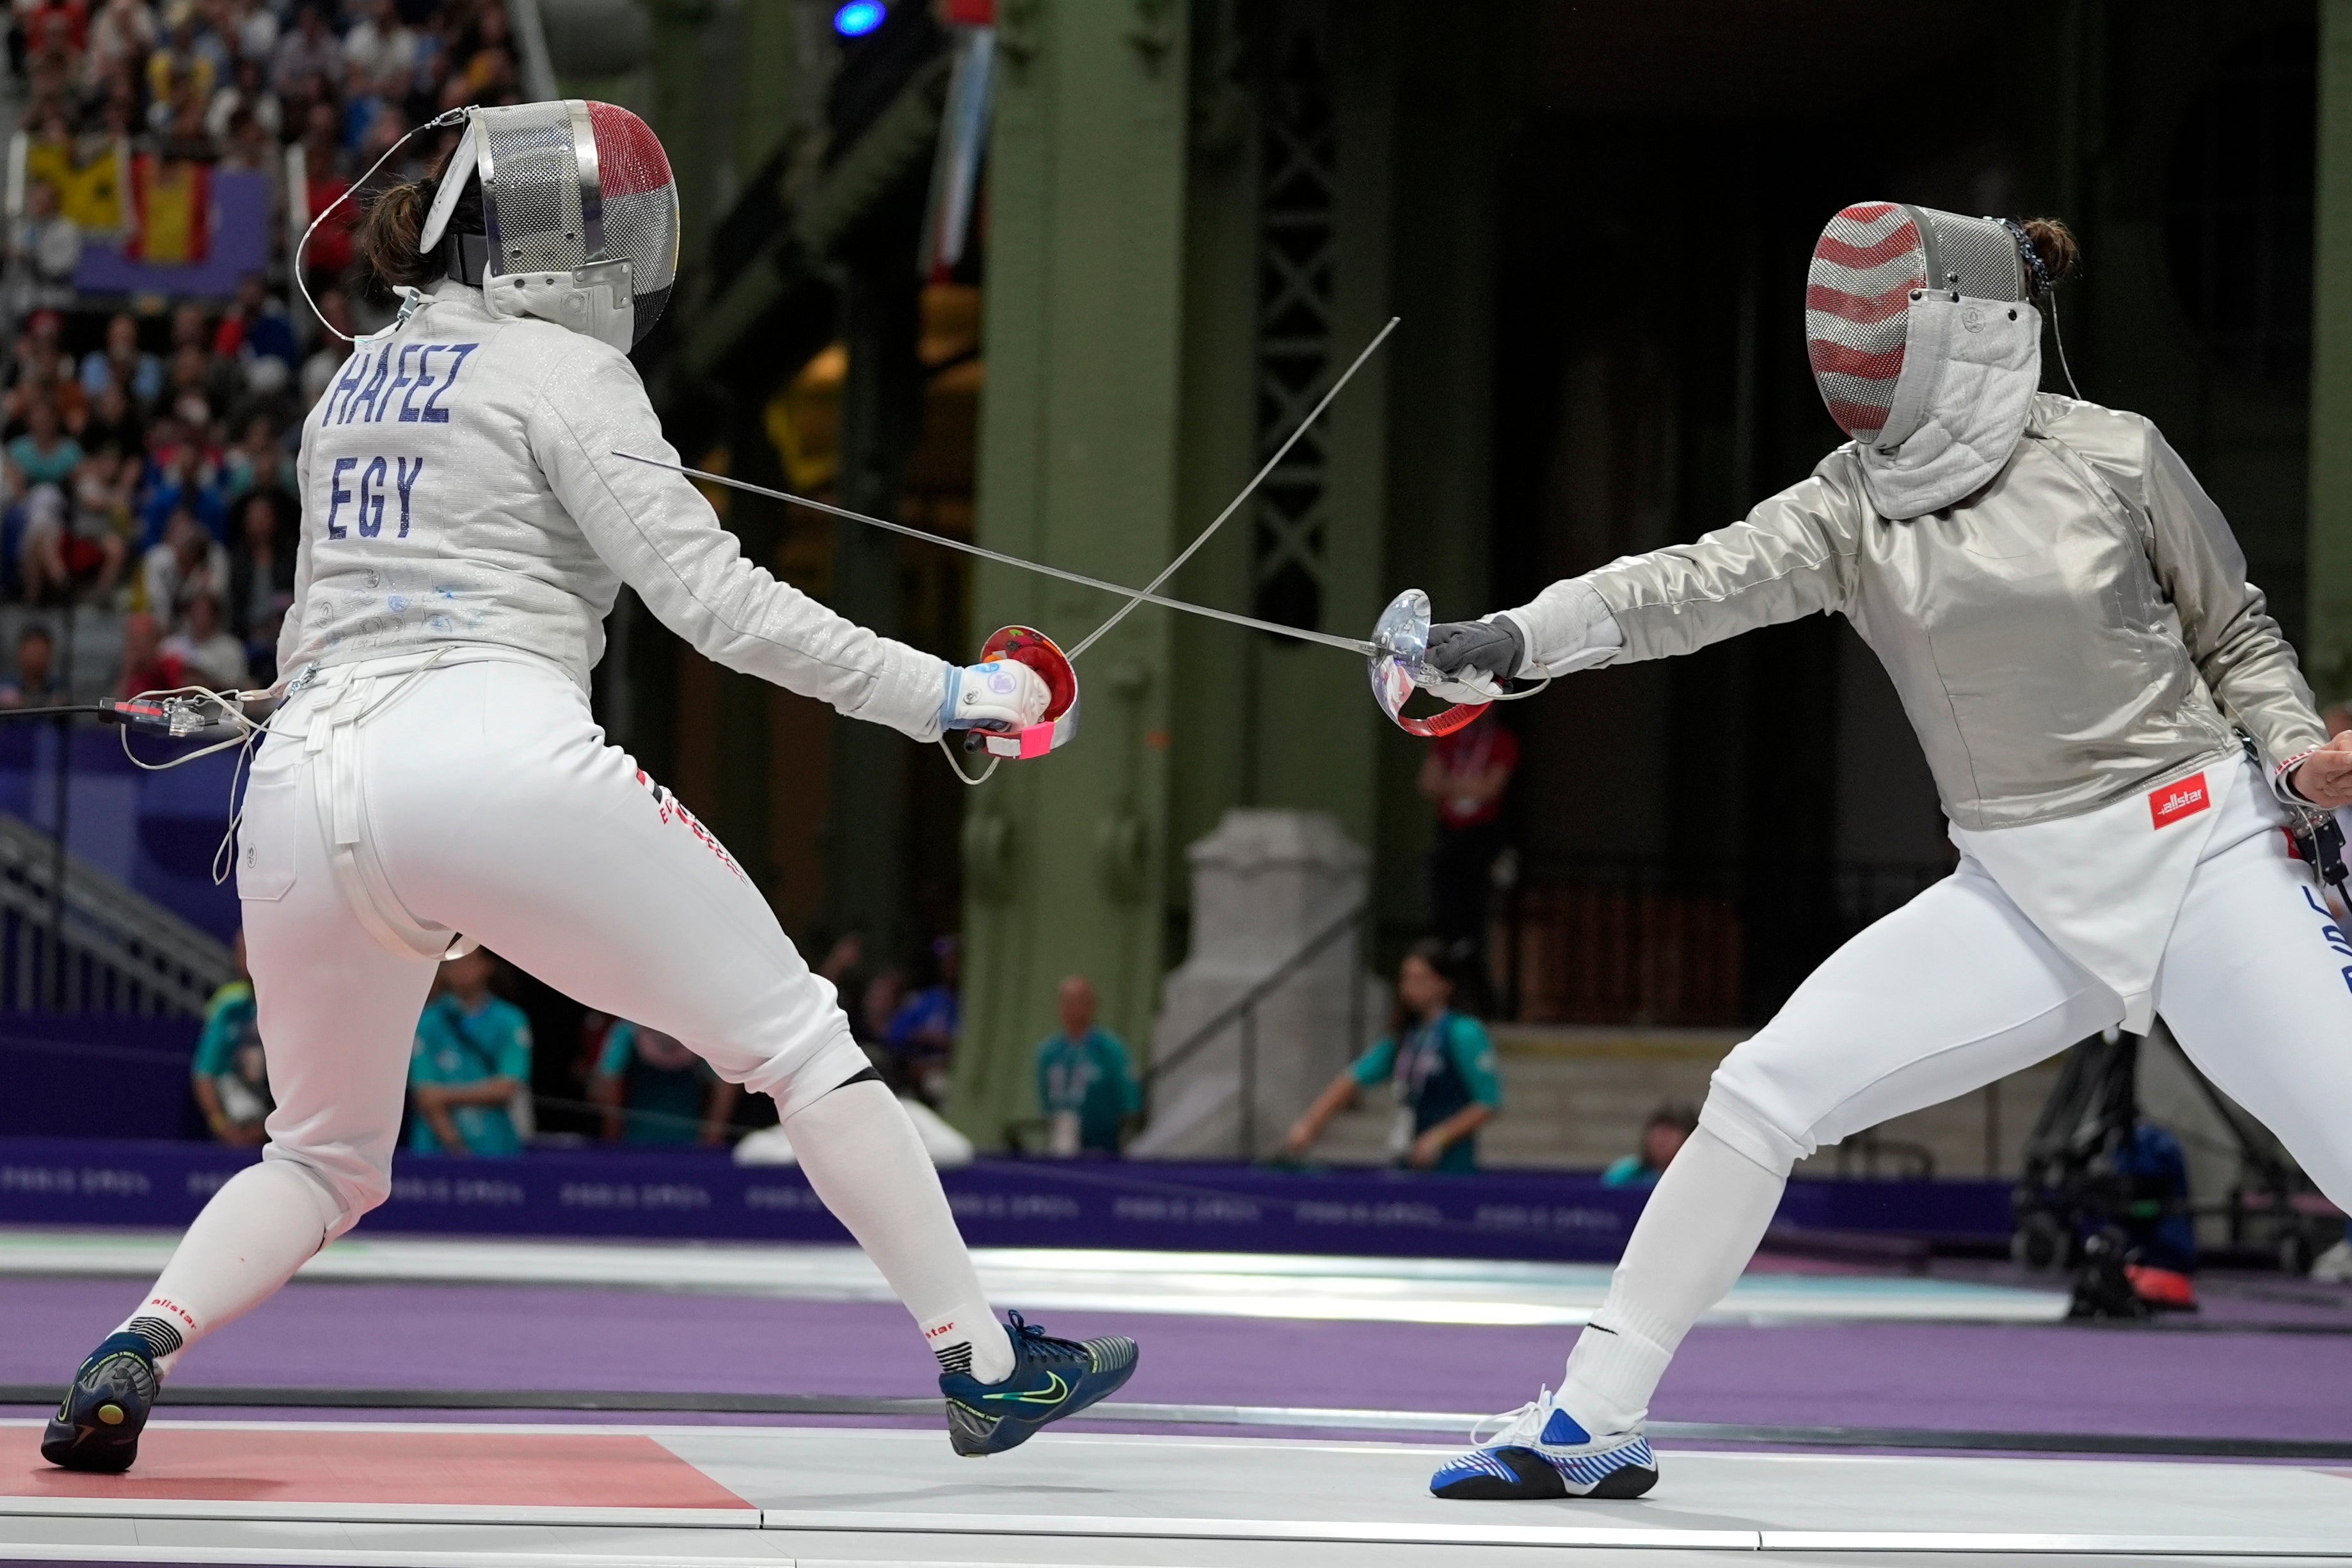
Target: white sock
(263, 1224)
(1698, 1230)
(865, 1159)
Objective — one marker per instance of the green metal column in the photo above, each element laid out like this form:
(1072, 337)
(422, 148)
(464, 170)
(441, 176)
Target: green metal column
(2328, 638)
(678, 96)
(1078, 445)
(1312, 727)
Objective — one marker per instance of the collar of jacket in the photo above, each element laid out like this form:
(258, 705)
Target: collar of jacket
(1971, 369)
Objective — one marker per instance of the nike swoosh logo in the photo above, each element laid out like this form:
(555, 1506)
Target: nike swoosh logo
(1056, 1389)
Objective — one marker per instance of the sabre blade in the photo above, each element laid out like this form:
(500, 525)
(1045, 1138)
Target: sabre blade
(1144, 595)
(1346, 644)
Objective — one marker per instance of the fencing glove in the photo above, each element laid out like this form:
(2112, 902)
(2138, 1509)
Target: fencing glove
(1476, 654)
(1004, 694)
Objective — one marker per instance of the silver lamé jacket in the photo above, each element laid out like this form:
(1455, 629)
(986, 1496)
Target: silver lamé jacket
(2078, 628)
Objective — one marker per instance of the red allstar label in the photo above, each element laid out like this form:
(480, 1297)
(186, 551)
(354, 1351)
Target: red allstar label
(2171, 803)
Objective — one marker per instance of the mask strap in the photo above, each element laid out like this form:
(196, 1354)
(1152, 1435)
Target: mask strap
(441, 122)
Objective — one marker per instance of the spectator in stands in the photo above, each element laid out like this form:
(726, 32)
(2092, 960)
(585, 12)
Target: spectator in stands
(208, 650)
(1439, 1063)
(186, 564)
(922, 1033)
(326, 361)
(258, 337)
(469, 1078)
(34, 683)
(185, 135)
(122, 34)
(485, 60)
(245, 93)
(261, 577)
(657, 1091)
(1663, 1138)
(1086, 1082)
(379, 43)
(258, 466)
(306, 57)
(145, 667)
(112, 423)
(181, 479)
(81, 542)
(870, 1023)
(230, 1074)
(122, 363)
(180, 70)
(45, 454)
(1464, 775)
(330, 251)
(43, 249)
(257, 31)
(42, 373)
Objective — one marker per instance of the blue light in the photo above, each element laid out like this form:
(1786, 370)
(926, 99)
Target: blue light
(859, 17)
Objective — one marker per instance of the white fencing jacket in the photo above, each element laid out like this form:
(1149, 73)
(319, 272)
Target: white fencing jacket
(460, 487)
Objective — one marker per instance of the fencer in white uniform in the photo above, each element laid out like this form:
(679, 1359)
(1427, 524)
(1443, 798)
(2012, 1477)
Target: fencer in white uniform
(2117, 729)
(433, 768)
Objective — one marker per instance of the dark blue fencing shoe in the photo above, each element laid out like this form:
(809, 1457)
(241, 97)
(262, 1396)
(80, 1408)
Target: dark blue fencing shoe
(1051, 1378)
(98, 1423)
(1542, 1452)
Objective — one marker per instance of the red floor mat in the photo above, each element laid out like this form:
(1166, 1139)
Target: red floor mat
(553, 1469)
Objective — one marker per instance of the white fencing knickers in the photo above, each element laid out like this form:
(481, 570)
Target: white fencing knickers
(1955, 990)
(480, 799)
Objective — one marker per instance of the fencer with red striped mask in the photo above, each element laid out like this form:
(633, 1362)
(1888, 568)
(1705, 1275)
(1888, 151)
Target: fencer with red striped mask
(434, 768)
(2117, 730)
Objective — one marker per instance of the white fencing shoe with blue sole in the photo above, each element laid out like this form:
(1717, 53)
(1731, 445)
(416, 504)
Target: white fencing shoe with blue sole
(1543, 1452)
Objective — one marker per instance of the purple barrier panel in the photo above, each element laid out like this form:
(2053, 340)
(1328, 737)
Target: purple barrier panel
(96, 1075)
(1972, 1208)
(694, 1195)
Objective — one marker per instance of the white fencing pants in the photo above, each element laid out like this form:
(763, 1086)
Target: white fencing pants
(1956, 989)
(491, 802)
(488, 803)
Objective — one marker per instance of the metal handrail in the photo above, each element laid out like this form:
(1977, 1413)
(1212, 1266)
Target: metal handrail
(161, 962)
(1248, 1000)
(1243, 1010)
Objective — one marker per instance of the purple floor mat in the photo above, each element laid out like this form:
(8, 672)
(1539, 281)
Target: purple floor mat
(1949, 1376)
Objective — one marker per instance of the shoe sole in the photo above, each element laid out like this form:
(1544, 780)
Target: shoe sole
(1535, 1481)
(99, 1406)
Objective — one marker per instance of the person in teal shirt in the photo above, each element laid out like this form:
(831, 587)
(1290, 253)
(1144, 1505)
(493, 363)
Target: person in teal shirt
(655, 1091)
(1086, 1083)
(470, 1067)
(227, 1074)
(1440, 1063)
(1663, 1138)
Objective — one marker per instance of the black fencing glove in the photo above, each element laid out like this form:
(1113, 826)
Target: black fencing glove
(1487, 652)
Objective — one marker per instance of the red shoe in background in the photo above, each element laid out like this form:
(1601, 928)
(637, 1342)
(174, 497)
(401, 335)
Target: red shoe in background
(2168, 1290)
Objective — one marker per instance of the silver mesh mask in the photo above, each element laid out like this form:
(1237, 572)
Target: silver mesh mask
(1872, 263)
(577, 196)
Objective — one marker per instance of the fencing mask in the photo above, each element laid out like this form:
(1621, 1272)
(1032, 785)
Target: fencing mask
(1926, 345)
(579, 215)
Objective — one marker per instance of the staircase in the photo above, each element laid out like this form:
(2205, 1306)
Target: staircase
(122, 952)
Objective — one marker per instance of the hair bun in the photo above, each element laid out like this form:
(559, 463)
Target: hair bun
(2054, 243)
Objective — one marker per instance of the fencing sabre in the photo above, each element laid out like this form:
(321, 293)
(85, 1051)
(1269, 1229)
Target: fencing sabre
(1394, 652)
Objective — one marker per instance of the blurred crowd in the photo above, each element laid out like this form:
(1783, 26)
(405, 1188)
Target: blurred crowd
(147, 444)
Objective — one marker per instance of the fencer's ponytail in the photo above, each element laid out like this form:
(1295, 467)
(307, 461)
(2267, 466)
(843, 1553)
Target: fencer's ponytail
(395, 222)
(387, 237)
